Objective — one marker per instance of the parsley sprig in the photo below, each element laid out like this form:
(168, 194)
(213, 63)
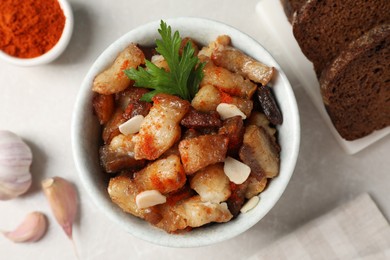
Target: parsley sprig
(185, 70)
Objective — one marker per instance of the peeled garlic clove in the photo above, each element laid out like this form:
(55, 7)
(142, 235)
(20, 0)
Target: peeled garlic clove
(236, 171)
(62, 197)
(132, 125)
(229, 110)
(30, 230)
(15, 161)
(250, 204)
(149, 198)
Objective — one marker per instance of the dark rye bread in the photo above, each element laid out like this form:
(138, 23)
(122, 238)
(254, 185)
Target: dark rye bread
(291, 6)
(323, 28)
(356, 86)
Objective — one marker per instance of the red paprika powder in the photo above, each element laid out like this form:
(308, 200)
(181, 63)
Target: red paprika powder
(30, 28)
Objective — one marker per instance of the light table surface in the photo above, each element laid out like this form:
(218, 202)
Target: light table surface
(37, 104)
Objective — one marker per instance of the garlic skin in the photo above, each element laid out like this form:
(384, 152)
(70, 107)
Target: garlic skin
(15, 162)
(31, 229)
(62, 197)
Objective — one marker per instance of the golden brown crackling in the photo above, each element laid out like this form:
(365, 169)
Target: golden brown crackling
(260, 152)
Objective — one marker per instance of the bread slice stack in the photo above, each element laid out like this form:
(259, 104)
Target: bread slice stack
(348, 42)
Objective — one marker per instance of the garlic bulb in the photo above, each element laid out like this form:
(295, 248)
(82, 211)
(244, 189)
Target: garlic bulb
(30, 230)
(15, 161)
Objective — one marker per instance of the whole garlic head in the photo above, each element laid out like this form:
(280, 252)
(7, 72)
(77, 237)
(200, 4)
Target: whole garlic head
(15, 161)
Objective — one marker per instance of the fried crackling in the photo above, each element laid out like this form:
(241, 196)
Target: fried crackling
(259, 119)
(198, 152)
(211, 183)
(195, 119)
(165, 175)
(137, 108)
(113, 79)
(237, 197)
(160, 62)
(233, 128)
(169, 220)
(260, 152)
(236, 61)
(197, 213)
(255, 186)
(119, 155)
(193, 44)
(128, 96)
(220, 42)
(111, 129)
(103, 106)
(227, 81)
(209, 97)
(123, 191)
(160, 128)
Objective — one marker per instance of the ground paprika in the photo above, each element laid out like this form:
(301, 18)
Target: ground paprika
(30, 28)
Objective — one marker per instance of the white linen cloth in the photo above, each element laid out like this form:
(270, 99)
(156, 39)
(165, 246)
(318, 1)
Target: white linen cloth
(355, 230)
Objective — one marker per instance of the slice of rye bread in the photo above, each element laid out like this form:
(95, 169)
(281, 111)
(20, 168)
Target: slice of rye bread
(323, 28)
(355, 87)
(291, 6)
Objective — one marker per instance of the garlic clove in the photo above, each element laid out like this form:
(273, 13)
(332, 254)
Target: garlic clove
(250, 204)
(132, 125)
(229, 110)
(149, 198)
(236, 171)
(62, 197)
(30, 230)
(15, 161)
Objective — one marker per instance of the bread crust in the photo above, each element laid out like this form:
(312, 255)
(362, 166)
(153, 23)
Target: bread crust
(291, 6)
(323, 28)
(355, 87)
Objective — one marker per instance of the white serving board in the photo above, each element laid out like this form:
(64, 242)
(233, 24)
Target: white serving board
(274, 21)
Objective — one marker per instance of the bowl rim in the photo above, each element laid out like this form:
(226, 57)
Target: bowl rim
(139, 229)
(57, 49)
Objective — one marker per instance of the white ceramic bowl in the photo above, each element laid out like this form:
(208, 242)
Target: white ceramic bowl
(54, 52)
(85, 136)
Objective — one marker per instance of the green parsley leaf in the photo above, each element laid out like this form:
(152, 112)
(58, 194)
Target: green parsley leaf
(185, 70)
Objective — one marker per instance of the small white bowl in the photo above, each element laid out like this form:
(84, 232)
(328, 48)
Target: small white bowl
(86, 135)
(54, 52)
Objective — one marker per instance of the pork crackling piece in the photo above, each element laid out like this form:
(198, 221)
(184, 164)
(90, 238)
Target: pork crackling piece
(123, 191)
(255, 186)
(209, 97)
(260, 119)
(161, 127)
(113, 79)
(119, 155)
(260, 152)
(104, 106)
(164, 175)
(211, 183)
(197, 213)
(189, 212)
(227, 81)
(236, 61)
(220, 42)
(199, 152)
